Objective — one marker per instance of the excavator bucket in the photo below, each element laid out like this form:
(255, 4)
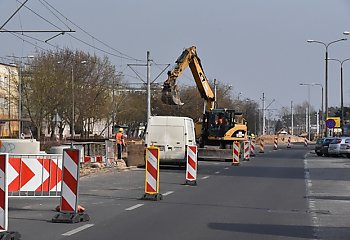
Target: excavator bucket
(170, 95)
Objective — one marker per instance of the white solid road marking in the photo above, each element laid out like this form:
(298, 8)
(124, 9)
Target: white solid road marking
(168, 193)
(205, 177)
(134, 207)
(78, 229)
(226, 168)
(217, 172)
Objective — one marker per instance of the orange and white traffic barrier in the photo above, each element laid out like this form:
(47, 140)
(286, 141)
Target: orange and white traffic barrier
(305, 142)
(34, 175)
(246, 149)
(69, 195)
(4, 234)
(261, 145)
(152, 175)
(289, 145)
(275, 143)
(236, 153)
(191, 166)
(252, 147)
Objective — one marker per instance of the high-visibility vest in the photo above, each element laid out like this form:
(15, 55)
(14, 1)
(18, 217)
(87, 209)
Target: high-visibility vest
(119, 137)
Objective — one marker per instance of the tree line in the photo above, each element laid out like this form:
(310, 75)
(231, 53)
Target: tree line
(84, 89)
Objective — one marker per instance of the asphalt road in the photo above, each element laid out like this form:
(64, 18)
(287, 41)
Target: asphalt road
(272, 196)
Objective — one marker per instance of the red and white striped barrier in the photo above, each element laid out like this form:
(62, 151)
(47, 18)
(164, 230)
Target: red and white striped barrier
(4, 234)
(191, 166)
(69, 195)
(236, 153)
(3, 193)
(261, 145)
(305, 142)
(289, 145)
(34, 175)
(152, 174)
(246, 147)
(275, 143)
(252, 147)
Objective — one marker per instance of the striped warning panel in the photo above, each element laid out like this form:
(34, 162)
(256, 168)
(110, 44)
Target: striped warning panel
(69, 197)
(191, 167)
(152, 170)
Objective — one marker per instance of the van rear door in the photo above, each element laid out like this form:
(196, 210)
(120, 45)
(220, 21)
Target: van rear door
(175, 138)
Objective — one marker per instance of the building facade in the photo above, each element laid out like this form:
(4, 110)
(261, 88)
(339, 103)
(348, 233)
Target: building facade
(9, 101)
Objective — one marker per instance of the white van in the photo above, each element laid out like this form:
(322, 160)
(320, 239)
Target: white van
(171, 135)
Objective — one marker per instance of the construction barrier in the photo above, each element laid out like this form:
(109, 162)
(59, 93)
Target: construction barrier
(289, 145)
(4, 234)
(152, 175)
(246, 153)
(191, 166)
(34, 175)
(275, 143)
(305, 142)
(252, 147)
(69, 194)
(261, 146)
(236, 153)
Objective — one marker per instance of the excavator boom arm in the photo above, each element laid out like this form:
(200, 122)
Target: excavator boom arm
(170, 93)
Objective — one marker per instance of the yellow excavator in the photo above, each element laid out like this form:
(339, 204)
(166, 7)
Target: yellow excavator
(219, 127)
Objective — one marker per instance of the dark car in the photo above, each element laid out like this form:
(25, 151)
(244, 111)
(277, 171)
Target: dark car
(321, 147)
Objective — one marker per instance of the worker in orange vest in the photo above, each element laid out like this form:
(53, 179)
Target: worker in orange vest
(119, 137)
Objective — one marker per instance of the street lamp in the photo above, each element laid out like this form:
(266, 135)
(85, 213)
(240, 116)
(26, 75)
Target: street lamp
(341, 90)
(326, 45)
(308, 107)
(318, 84)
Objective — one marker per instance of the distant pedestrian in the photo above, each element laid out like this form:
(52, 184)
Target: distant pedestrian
(119, 137)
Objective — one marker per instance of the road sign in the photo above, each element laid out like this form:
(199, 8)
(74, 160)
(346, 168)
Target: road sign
(330, 123)
(336, 120)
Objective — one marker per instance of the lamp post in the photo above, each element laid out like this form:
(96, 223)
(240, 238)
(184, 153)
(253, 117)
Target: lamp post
(318, 84)
(326, 45)
(308, 107)
(341, 91)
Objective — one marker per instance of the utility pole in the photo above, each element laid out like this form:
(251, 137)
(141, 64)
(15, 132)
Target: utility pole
(215, 92)
(292, 116)
(148, 86)
(264, 115)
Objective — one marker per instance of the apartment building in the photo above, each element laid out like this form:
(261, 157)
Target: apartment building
(9, 100)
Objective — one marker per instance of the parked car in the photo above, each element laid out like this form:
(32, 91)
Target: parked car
(321, 147)
(334, 146)
(345, 147)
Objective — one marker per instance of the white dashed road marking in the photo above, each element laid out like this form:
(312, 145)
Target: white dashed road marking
(79, 229)
(168, 193)
(134, 207)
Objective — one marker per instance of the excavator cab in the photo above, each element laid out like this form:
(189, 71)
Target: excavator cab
(221, 127)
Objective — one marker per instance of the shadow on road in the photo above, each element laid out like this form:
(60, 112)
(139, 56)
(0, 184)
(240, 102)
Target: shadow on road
(267, 229)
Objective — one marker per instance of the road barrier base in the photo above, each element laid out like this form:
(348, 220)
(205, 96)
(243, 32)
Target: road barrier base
(235, 164)
(191, 182)
(70, 218)
(152, 197)
(10, 236)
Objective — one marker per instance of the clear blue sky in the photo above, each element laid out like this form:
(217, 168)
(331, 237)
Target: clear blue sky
(256, 46)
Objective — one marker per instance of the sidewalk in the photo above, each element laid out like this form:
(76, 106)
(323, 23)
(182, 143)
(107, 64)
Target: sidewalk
(328, 181)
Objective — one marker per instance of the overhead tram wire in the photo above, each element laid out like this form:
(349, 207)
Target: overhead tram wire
(121, 53)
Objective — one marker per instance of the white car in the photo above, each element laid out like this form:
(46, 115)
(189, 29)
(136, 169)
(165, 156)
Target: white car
(334, 146)
(345, 147)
